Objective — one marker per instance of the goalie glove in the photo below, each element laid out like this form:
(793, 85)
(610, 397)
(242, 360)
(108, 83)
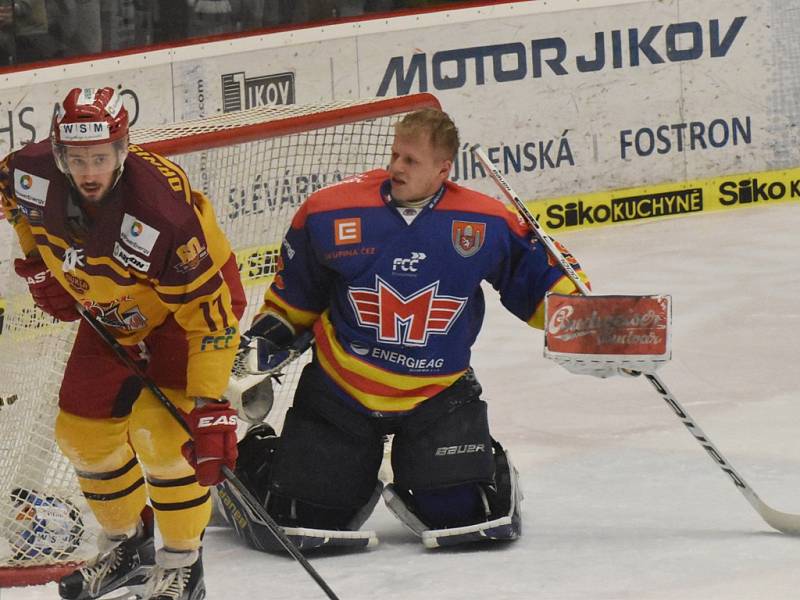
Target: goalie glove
(269, 345)
(251, 395)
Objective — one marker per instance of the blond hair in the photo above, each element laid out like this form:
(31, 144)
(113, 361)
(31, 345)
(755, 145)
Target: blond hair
(434, 123)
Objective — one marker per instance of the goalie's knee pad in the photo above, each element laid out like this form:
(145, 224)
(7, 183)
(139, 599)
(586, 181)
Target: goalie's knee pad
(463, 513)
(328, 454)
(256, 457)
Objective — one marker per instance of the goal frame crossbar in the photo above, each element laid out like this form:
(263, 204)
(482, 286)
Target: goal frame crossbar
(215, 132)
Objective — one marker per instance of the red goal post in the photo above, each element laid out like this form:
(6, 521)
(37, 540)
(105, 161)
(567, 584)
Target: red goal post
(257, 166)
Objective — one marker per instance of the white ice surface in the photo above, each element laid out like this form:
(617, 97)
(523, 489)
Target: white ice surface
(620, 501)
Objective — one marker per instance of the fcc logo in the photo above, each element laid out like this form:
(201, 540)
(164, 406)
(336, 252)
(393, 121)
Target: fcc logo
(240, 92)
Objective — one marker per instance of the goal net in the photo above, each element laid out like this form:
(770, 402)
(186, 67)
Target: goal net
(257, 166)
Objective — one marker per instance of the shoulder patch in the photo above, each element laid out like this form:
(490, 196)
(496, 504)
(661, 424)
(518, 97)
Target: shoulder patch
(190, 255)
(468, 236)
(138, 235)
(30, 188)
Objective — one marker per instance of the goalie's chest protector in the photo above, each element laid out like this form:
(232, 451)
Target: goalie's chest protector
(406, 296)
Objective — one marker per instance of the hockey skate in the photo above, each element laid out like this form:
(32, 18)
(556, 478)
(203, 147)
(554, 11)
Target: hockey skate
(121, 563)
(177, 576)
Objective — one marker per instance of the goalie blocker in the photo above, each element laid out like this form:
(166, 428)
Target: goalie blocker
(608, 335)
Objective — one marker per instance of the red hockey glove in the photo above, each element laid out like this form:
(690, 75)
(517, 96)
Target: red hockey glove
(48, 294)
(213, 426)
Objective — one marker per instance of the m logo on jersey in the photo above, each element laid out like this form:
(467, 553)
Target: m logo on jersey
(468, 237)
(407, 320)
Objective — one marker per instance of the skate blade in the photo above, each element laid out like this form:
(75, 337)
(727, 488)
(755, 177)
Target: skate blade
(134, 592)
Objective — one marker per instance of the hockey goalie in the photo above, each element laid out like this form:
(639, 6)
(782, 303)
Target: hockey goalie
(385, 270)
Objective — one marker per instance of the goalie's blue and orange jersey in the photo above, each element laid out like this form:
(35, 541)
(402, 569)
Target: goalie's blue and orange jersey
(154, 249)
(395, 306)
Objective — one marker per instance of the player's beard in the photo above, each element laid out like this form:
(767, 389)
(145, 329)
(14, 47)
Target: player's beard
(93, 192)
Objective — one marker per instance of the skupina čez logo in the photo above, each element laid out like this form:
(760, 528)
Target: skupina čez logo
(26, 181)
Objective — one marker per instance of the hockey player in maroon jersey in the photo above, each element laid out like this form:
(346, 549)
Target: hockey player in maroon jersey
(121, 231)
(386, 270)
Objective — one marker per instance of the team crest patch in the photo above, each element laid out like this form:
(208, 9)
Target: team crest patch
(468, 237)
(111, 315)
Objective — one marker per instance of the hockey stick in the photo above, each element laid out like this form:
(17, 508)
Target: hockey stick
(274, 528)
(783, 522)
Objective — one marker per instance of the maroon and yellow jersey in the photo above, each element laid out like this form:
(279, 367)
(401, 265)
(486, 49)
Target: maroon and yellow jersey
(151, 249)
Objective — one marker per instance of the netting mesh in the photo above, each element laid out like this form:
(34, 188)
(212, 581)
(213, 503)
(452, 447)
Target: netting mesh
(295, 118)
(256, 187)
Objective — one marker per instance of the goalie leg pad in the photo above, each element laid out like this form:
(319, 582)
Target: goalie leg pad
(327, 455)
(309, 524)
(444, 444)
(255, 460)
(503, 519)
(500, 500)
(422, 511)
